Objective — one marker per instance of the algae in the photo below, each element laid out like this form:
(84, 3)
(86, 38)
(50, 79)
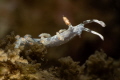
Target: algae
(28, 63)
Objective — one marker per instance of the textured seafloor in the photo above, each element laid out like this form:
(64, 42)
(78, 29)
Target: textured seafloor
(31, 63)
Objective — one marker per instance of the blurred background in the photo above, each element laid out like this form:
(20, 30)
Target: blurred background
(45, 16)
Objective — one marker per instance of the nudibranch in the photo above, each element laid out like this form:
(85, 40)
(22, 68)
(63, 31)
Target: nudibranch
(61, 37)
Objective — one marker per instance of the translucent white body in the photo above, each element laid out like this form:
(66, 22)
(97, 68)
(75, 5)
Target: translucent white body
(61, 37)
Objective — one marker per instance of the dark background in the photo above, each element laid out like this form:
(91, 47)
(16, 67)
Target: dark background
(45, 16)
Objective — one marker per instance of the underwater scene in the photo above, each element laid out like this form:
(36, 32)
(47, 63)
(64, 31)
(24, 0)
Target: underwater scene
(59, 40)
